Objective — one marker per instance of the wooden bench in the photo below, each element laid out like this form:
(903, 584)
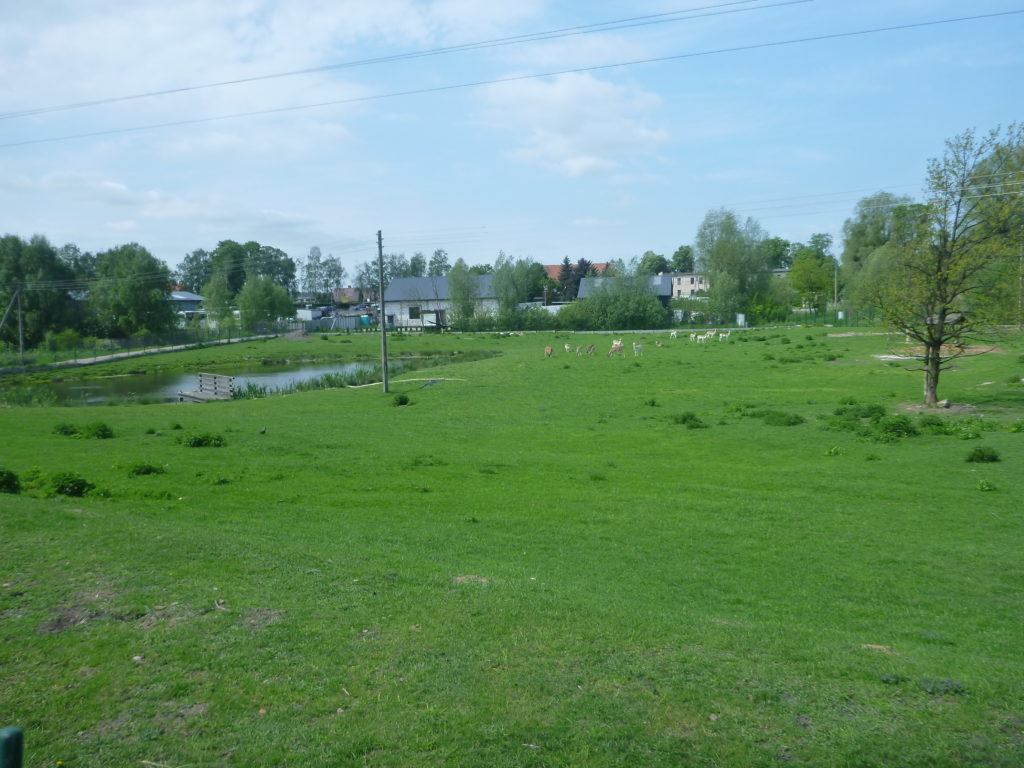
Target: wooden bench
(212, 386)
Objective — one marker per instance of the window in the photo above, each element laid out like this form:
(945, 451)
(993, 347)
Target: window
(414, 313)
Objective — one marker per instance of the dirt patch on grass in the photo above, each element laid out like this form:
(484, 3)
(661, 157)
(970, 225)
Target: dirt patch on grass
(258, 618)
(884, 649)
(168, 615)
(106, 728)
(470, 579)
(950, 408)
(67, 618)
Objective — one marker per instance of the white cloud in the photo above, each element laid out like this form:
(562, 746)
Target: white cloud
(576, 124)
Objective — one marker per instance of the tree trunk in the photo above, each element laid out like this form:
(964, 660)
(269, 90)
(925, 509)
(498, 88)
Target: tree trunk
(931, 373)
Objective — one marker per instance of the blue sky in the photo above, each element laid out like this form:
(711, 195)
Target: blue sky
(602, 164)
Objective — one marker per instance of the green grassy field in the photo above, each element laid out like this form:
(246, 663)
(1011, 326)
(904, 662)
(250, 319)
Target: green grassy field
(534, 562)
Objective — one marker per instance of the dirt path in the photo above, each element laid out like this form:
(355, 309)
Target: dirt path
(126, 355)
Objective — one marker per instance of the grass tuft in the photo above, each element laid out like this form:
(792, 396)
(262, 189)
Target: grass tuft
(983, 455)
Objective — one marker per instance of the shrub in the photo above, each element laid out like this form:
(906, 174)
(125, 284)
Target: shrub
(9, 481)
(68, 430)
(690, 420)
(870, 411)
(69, 484)
(943, 687)
(142, 468)
(896, 427)
(400, 400)
(985, 485)
(983, 455)
(204, 440)
(98, 430)
(780, 419)
(1017, 426)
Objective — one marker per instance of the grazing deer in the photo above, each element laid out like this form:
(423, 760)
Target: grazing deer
(548, 351)
(638, 349)
(674, 335)
(617, 347)
(591, 349)
(568, 348)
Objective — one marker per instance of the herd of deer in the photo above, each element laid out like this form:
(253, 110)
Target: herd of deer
(618, 348)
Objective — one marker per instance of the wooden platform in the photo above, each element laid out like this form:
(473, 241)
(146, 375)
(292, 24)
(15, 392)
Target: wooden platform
(212, 386)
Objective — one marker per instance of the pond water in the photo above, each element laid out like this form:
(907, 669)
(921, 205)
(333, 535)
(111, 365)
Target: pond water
(165, 386)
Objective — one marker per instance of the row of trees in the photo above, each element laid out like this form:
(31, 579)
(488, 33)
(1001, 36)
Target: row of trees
(114, 293)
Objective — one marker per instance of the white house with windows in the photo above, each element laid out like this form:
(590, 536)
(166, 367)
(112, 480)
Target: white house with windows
(685, 284)
(424, 302)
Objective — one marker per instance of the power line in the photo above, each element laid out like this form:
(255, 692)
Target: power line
(603, 26)
(510, 79)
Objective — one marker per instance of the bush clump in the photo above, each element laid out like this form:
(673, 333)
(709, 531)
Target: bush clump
(9, 482)
(143, 468)
(781, 419)
(98, 430)
(400, 400)
(690, 420)
(896, 427)
(983, 455)
(69, 484)
(204, 440)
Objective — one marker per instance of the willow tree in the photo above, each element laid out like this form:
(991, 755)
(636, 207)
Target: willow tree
(932, 280)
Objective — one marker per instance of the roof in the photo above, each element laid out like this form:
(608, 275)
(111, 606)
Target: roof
(554, 270)
(661, 285)
(185, 296)
(431, 288)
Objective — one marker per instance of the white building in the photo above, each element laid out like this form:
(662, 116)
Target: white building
(423, 302)
(685, 284)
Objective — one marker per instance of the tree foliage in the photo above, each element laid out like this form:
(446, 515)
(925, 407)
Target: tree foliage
(933, 279)
(439, 266)
(262, 301)
(462, 294)
(652, 263)
(130, 293)
(682, 259)
(195, 270)
(43, 309)
(729, 253)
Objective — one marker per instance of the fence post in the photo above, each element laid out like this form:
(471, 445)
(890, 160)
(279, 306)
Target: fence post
(11, 748)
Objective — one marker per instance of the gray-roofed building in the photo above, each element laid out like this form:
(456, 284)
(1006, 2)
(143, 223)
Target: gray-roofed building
(660, 286)
(186, 301)
(423, 302)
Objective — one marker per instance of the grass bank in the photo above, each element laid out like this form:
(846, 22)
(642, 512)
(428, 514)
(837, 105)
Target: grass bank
(708, 555)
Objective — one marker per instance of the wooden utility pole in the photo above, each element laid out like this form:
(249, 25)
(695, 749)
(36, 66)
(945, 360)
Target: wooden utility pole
(21, 332)
(382, 317)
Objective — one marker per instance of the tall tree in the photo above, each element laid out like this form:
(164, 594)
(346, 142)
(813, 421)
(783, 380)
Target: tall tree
(313, 272)
(652, 263)
(82, 264)
(229, 258)
(462, 294)
(777, 252)
(48, 305)
(261, 301)
(567, 283)
(870, 227)
(729, 253)
(217, 296)
(813, 272)
(417, 265)
(195, 270)
(439, 265)
(130, 294)
(682, 259)
(932, 279)
(335, 274)
(271, 263)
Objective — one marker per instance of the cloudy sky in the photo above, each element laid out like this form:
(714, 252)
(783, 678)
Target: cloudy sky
(597, 163)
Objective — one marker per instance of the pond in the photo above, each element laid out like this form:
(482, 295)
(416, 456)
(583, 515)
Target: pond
(164, 387)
